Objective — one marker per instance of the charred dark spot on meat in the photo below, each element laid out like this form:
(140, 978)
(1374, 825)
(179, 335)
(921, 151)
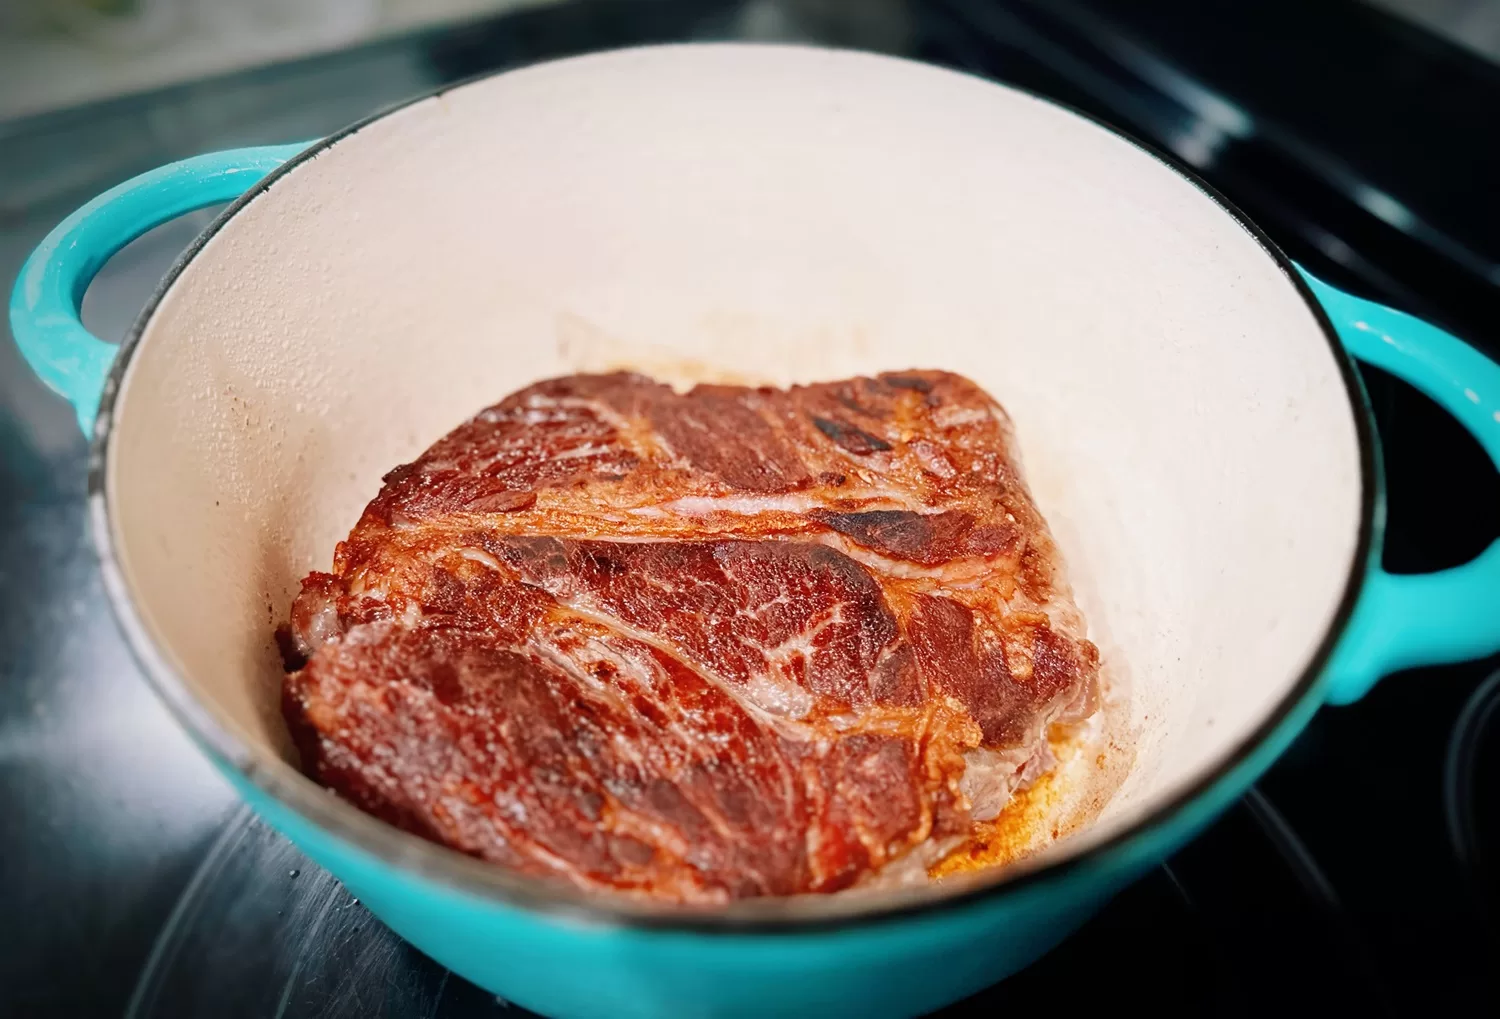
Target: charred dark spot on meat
(499, 501)
(396, 475)
(846, 436)
(292, 657)
(926, 538)
(912, 382)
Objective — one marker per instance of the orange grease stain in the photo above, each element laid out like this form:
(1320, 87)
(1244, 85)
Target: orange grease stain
(1026, 825)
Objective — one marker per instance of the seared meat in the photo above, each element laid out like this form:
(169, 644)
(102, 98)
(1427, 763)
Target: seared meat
(699, 646)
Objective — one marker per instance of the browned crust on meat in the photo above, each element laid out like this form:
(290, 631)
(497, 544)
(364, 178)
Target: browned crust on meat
(700, 646)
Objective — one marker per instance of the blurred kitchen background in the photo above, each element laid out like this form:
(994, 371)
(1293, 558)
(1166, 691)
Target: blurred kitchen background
(1363, 135)
(56, 54)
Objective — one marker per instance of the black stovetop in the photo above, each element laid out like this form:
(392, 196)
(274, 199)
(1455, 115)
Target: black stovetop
(1359, 876)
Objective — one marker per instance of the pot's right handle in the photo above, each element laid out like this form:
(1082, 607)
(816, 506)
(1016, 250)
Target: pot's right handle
(46, 305)
(1406, 620)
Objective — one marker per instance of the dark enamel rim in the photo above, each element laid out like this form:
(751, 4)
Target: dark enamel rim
(802, 914)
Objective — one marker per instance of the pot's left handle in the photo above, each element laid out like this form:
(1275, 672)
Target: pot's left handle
(47, 301)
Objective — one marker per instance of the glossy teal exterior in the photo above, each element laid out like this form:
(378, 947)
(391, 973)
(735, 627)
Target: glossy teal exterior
(1402, 620)
(902, 966)
(892, 966)
(567, 968)
(44, 307)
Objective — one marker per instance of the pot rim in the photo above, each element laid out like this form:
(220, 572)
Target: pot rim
(496, 886)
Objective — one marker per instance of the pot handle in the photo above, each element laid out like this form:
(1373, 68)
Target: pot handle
(47, 300)
(1405, 620)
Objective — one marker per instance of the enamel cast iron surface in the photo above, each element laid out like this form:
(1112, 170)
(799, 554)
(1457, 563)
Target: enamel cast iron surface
(1398, 621)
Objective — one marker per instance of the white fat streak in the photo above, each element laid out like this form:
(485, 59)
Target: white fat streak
(953, 416)
(766, 714)
(972, 572)
(992, 777)
(648, 675)
(646, 443)
(800, 643)
(935, 460)
(878, 497)
(772, 689)
(538, 402)
(779, 696)
(479, 555)
(644, 674)
(870, 498)
(587, 449)
(569, 665)
(740, 505)
(321, 628)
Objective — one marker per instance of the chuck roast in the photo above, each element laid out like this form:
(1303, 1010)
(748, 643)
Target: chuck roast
(704, 646)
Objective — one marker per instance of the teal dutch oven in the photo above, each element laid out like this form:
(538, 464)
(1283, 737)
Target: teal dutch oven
(1187, 408)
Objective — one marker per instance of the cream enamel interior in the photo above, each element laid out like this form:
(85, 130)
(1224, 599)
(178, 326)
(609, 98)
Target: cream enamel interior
(773, 214)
